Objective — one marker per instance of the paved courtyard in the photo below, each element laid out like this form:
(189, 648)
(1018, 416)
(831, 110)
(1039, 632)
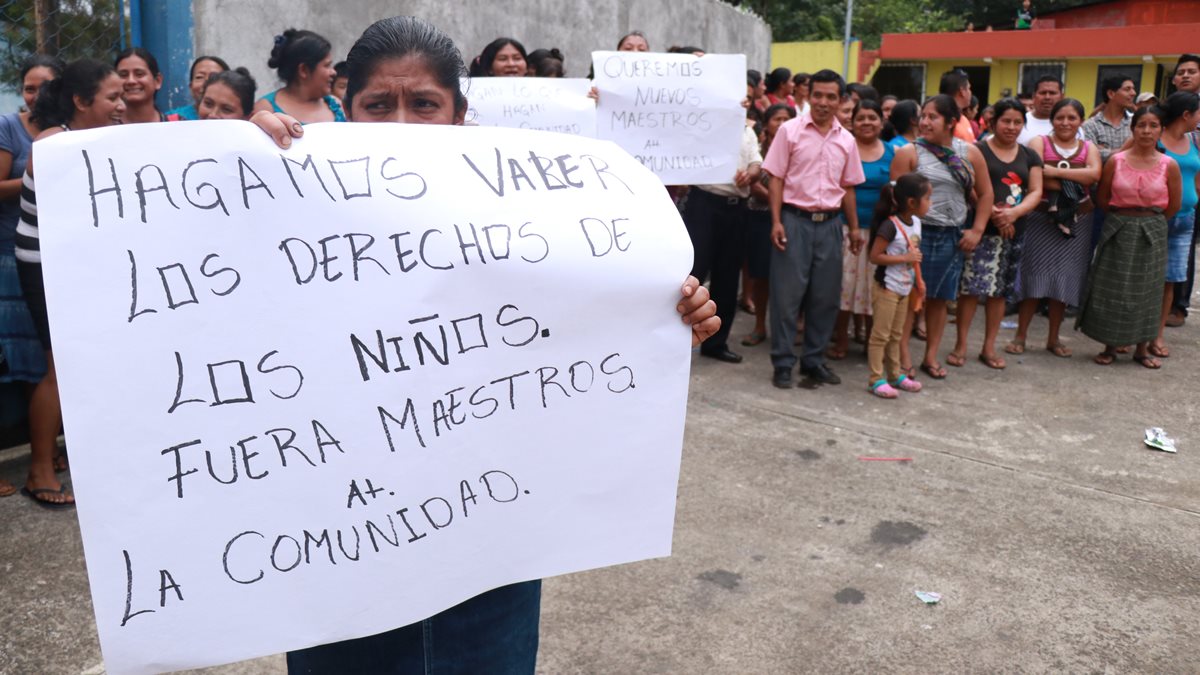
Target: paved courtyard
(1058, 541)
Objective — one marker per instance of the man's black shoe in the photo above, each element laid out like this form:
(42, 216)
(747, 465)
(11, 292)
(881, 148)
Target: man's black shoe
(722, 354)
(782, 378)
(821, 375)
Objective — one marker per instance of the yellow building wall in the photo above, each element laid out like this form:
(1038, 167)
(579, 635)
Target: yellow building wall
(809, 57)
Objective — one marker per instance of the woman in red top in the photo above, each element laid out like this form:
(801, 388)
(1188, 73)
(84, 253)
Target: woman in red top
(779, 87)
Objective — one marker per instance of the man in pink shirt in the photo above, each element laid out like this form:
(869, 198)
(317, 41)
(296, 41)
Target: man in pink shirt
(812, 161)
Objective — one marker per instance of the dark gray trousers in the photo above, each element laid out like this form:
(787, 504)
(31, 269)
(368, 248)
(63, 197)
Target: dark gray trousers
(806, 276)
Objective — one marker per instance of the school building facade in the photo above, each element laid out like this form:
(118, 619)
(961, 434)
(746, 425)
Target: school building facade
(1137, 39)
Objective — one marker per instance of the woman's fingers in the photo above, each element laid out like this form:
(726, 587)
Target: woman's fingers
(280, 127)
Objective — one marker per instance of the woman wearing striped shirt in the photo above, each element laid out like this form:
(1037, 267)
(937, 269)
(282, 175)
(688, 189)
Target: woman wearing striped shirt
(87, 96)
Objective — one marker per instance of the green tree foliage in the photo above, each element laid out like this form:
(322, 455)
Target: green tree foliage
(804, 20)
(77, 28)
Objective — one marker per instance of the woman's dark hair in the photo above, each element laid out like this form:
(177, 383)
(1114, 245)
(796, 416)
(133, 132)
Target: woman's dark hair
(801, 79)
(826, 76)
(894, 198)
(295, 48)
(488, 56)
(684, 49)
(635, 33)
(1005, 105)
(753, 78)
(1074, 104)
(240, 81)
(54, 63)
(400, 36)
(55, 104)
(771, 110)
(546, 62)
(141, 53)
(904, 116)
(1178, 104)
(776, 79)
(946, 108)
(865, 91)
(340, 69)
(889, 97)
(1146, 110)
(867, 104)
(201, 59)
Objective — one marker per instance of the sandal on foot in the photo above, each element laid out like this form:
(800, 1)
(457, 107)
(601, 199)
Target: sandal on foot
(1060, 350)
(36, 495)
(754, 339)
(7, 489)
(994, 362)
(935, 371)
(906, 383)
(1104, 358)
(882, 389)
(921, 334)
(1148, 361)
(1124, 350)
(955, 359)
(1016, 347)
(1159, 352)
(835, 353)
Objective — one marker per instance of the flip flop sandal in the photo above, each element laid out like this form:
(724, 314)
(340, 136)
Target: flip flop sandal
(53, 506)
(1158, 352)
(754, 339)
(1150, 362)
(935, 371)
(1016, 347)
(993, 362)
(835, 353)
(955, 359)
(7, 489)
(1060, 350)
(1104, 358)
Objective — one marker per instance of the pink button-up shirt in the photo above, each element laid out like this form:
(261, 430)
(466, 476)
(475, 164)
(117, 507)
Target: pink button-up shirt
(816, 169)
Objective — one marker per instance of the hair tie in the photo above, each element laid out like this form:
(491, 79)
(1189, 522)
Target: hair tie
(280, 40)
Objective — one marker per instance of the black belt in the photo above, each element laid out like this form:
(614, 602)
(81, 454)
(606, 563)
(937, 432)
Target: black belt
(722, 199)
(815, 216)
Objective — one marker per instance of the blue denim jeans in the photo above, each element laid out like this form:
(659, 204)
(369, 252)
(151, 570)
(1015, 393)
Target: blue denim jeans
(496, 632)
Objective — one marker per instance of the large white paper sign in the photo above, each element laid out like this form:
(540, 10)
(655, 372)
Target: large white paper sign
(545, 103)
(680, 115)
(321, 393)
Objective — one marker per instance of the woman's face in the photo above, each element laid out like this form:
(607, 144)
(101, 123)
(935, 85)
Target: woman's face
(200, 75)
(866, 125)
(404, 90)
(1008, 126)
(1147, 131)
(776, 121)
(219, 102)
(888, 106)
(138, 85)
(634, 43)
(845, 112)
(32, 82)
(509, 63)
(320, 78)
(106, 107)
(1066, 123)
(760, 89)
(933, 126)
(800, 91)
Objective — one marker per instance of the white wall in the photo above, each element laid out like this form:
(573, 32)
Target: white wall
(242, 32)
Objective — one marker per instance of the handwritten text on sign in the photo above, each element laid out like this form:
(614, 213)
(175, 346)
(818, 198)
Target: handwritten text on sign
(544, 103)
(318, 394)
(678, 114)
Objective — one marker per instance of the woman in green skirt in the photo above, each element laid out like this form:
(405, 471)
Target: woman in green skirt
(1140, 189)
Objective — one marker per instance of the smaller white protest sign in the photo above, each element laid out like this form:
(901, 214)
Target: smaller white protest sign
(680, 115)
(542, 103)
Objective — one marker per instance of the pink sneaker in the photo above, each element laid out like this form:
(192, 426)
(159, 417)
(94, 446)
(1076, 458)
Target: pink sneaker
(883, 390)
(907, 384)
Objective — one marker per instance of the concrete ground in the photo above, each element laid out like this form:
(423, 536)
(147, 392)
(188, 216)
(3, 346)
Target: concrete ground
(1058, 541)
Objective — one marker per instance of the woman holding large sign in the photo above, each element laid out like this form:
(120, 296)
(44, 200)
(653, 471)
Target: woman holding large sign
(404, 70)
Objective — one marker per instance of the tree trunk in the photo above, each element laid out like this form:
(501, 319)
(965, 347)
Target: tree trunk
(45, 13)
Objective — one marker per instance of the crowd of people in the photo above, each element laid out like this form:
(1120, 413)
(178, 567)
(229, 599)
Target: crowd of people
(1027, 207)
(852, 216)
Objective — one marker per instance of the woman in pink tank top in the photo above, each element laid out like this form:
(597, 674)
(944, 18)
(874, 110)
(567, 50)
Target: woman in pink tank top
(1140, 189)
